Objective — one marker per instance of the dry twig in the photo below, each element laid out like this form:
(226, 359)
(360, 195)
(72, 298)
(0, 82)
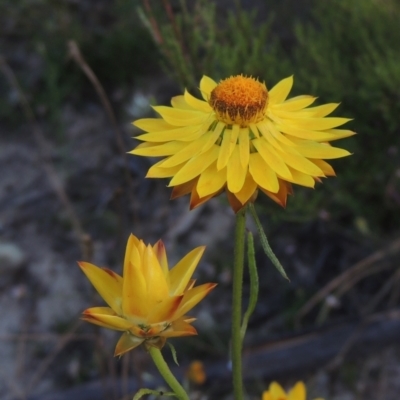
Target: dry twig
(353, 275)
(75, 54)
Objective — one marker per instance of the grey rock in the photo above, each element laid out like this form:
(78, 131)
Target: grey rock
(12, 259)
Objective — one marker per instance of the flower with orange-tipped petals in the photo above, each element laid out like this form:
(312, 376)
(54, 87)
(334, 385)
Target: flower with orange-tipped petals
(276, 392)
(241, 138)
(150, 301)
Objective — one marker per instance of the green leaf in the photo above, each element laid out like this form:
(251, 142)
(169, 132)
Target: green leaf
(173, 351)
(264, 242)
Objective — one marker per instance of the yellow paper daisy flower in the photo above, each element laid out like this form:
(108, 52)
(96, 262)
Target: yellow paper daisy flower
(149, 303)
(276, 392)
(241, 138)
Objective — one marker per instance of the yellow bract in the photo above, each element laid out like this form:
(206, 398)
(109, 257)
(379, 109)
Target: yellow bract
(276, 392)
(149, 302)
(241, 138)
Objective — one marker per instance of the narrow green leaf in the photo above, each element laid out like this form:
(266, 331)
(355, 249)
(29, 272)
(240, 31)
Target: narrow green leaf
(264, 242)
(173, 351)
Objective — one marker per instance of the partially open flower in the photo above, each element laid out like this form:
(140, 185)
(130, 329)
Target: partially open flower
(276, 392)
(149, 302)
(241, 138)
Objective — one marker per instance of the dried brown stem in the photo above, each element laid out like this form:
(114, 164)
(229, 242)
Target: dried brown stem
(75, 54)
(174, 25)
(155, 29)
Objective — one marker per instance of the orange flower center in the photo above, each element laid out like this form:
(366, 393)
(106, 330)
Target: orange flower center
(239, 100)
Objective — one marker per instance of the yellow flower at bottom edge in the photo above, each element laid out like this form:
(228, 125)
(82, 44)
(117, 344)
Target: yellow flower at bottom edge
(276, 392)
(149, 302)
(239, 139)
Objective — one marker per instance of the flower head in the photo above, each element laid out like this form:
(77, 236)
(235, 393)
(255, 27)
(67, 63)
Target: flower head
(241, 138)
(276, 392)
(149, 302)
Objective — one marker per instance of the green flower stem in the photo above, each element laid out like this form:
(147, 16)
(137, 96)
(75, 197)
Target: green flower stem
(237, 304)
(166, 373)
(254, 283)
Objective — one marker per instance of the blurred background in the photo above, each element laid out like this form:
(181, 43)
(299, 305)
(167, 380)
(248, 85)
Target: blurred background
(74, 74)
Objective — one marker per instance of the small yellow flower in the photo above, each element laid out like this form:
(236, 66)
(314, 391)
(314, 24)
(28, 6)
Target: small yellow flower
(149, 303)
(241, 138)
(276, 392)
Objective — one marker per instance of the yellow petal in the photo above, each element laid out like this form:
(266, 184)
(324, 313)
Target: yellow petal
(262, 174)
(187, 151)
(165, 149)
(297, 161)
(179, 328)
(161, 254)
(132, 242)
(254, 131)
(225, 149)
(105, 317)
(184, 134)
(180, 102)
(181, 273)
(206, 86)
(192, 297)
(271, 158)
(301, 179)
(236, 174)
(165, 310)
(320, 151)
(179, 117)
(158, 171)
(195, 166)
(278, 135)
(244, 147)
(134, 291)
(215, 134)
(152, 124)
(327, 135)
(323, 110)
(339, 133)
(107, 283)
(211, 180)
(312, 112)
(295, 103)
(247, 190)
(229, 140)
(196, 103)
(264, 129)
(277, 391)
(127, 342)
(281, 90)
(235, 134)
(298, 392)
(156, 282)
(316, 124)
(325, 167)
(190, 284)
